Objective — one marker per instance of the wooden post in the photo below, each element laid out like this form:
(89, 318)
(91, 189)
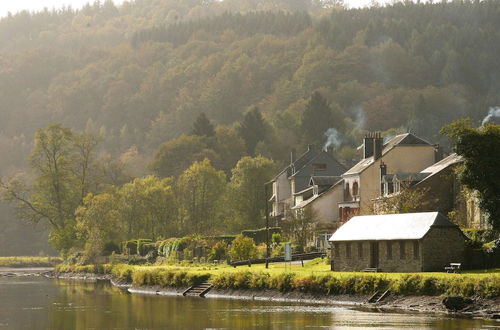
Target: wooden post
(267, 225)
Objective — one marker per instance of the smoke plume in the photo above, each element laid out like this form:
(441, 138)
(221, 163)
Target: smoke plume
(333, 139)
(493, 113)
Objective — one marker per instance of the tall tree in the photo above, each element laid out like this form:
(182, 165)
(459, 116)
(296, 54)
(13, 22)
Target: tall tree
(148, 208)
(481, 171)
(200, 190)
(316, 119)
(202, 126)
(252, 129)
(61, 163)
(246, 191)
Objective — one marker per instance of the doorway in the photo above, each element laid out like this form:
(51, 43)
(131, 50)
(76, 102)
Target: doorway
(373, 254)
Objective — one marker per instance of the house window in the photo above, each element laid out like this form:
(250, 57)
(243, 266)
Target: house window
(348, 250)
(319, 167)
(360, 250)
(390, 188)
(389, 250)
(402, 252)
(355, 189)
(416, 250)
(347, 192)
(336, 248)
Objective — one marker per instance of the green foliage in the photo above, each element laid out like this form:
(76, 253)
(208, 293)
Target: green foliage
(202, 126)
(252, 129)
(64, 171)
(200, 190)
(480, 171)
(246, 194)
(243, 248)
(23, 262)
(260, 235)
(218, 252)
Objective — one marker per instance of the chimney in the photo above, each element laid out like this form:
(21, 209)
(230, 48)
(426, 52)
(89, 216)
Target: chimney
(383, 171)
(378, 144)
(438, 153)
(310, 147)
(368, 145)
(330, 150)
(293, 155)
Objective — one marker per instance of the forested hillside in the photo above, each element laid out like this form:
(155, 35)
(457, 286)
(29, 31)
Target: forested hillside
(140, 74)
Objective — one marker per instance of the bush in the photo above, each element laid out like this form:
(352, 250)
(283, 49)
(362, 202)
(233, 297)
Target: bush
(243, 248)
(218, 251)
(260, 235)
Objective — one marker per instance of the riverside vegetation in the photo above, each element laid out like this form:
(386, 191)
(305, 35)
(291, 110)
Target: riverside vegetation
(24, 262)
(314, 278)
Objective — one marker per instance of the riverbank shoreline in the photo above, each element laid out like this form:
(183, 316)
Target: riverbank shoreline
(478, 308)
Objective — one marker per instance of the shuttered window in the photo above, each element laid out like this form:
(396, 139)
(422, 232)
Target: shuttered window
(416, 250)
(402, 251)
(389, 249)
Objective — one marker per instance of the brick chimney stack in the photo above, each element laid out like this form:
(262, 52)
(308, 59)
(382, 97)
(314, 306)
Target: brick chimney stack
(378, 144)
(368, 145)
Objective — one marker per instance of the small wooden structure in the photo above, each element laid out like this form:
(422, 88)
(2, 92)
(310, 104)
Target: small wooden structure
(199, 290)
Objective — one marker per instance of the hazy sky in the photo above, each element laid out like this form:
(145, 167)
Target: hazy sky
(17, 5)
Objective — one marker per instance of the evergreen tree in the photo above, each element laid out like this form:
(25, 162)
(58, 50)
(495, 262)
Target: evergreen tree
(316, 119)
(202, 126)
(252, 129)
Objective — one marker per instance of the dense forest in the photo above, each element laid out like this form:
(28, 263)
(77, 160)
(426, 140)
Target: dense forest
(150, 78)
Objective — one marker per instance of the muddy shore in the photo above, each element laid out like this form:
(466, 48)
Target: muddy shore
(477, 307)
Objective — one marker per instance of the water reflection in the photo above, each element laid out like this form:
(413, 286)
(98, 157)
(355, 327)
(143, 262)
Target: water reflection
(47, 304)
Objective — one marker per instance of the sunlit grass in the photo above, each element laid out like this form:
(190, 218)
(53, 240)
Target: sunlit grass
(24, 262)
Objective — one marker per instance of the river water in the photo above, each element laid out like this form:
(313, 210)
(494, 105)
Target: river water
(39, 303)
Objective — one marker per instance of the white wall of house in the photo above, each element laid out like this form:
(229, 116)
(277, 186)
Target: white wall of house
(410, 158)
(326, 204)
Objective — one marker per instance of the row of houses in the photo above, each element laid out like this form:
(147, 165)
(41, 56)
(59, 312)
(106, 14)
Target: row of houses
(386, 168)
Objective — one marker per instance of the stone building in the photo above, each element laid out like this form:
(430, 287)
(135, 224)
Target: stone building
(411, 242)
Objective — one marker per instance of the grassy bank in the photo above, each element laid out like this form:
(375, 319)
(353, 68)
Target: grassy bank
(315, 278)
(26, 262)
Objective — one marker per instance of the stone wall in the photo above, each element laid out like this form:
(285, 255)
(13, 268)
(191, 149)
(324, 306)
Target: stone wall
(442, 246)
(388, 262)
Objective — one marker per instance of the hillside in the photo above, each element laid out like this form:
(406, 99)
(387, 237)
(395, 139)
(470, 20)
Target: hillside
(140, 74)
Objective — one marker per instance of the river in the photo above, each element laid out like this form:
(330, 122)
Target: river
(40, 303)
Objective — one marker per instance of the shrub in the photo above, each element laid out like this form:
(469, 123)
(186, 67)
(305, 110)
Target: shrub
(260, 235)
(218, 251)
(243, 248)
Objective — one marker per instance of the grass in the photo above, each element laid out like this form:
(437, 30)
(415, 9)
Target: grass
(314, 278)
(26, 262)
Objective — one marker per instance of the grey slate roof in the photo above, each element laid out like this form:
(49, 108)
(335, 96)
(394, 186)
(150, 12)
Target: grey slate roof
(390, 227)
(443, 164)
(401, 176)
(324, 180)
(406, 139)
(312, 199)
